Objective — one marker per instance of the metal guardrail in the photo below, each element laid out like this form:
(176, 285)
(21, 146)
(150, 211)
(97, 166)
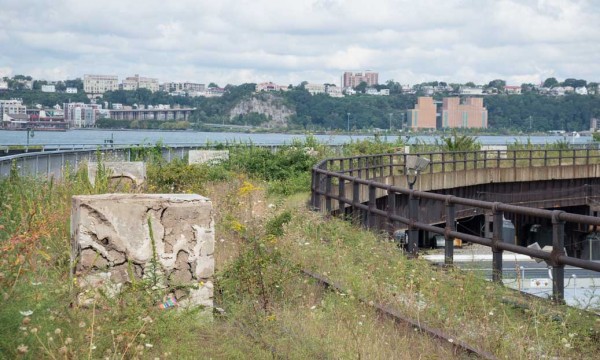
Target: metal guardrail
(55, 163)
(110, 144)
(330, 176)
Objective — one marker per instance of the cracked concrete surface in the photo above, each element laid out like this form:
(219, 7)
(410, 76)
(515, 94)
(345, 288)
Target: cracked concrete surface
(112, 243)
(123, 174)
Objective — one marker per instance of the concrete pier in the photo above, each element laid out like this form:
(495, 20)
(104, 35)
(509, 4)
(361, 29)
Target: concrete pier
(163, 240)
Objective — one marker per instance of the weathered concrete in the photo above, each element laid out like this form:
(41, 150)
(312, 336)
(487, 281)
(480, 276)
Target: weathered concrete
(207, 156)
(166, 240)
(492, 151)
(121, 174)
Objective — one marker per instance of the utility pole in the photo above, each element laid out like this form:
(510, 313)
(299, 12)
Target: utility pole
(529, 123)
(390, 122)
(348, 122)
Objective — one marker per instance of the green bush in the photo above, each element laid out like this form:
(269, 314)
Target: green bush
(275, 225)
(178, 176)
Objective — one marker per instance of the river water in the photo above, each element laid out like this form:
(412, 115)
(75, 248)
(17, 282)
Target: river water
(195, 137)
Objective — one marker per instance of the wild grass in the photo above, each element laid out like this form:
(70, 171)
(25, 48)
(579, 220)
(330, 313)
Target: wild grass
(263, 237)
(476, 311)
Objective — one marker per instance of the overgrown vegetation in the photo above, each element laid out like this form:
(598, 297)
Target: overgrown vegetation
(264, 235)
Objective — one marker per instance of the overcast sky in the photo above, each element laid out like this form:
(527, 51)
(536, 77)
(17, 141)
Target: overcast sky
(289, 41)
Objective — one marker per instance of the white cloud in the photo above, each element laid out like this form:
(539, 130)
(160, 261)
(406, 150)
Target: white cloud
(235, 41)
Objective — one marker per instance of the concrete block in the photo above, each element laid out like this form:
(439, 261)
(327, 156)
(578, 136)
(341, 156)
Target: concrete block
(207, 156)
(121, 174)
(495, 150)
(166, 240)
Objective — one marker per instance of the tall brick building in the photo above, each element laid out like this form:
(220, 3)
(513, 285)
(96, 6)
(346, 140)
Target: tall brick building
(352, 80)
(468, 114)
(423, 116)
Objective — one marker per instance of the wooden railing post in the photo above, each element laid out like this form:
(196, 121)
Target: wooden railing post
(558, 249)
(496, 239)
(341, 196)
(360, 166)
(315, 186)
(328, 181)
(450, 226)
(355, 200)
(371, 217)
(391, 211)
(413, 232)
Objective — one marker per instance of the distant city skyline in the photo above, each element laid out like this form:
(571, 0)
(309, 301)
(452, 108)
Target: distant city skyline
(287, 42)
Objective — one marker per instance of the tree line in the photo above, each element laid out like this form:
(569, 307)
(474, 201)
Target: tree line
(526, 112)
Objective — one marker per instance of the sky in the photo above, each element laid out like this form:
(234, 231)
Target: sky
(290, 41)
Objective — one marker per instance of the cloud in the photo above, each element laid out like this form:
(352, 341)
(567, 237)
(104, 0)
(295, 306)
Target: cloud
(236, 41)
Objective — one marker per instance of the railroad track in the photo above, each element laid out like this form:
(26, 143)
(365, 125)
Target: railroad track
(402, 319)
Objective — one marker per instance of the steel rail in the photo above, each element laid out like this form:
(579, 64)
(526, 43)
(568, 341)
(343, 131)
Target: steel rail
(400, 318)
(368, 172)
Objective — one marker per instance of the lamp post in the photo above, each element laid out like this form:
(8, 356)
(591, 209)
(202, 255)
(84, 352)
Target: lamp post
(30, 133)
(348, 122)
(413, 166)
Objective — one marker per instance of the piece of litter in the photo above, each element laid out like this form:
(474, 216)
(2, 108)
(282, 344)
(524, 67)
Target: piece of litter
(26, 312)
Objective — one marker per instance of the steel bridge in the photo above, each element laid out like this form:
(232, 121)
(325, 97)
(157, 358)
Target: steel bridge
(559, 189)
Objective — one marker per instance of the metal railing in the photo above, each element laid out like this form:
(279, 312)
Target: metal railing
(48, 163)
(55, 163)
(367, 174)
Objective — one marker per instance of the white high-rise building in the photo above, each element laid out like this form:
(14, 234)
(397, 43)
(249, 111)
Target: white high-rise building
(12, 106)
(99, 84)
(137, 82)
(80, 115)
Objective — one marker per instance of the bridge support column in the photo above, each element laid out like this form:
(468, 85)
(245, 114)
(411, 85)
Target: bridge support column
(450, 226)
(558, 249)
(496, 252)
(413, 232)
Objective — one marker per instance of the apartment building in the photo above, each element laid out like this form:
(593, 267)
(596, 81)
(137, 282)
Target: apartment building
(138, 82)
(423, 116)
(99, 84)
(12, 106)
(334, 91)
(182, 88)
(468, 114)
(314, 89)
(352, 80)
(80, 115)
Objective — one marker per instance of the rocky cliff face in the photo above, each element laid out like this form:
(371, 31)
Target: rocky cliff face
(267, 104)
